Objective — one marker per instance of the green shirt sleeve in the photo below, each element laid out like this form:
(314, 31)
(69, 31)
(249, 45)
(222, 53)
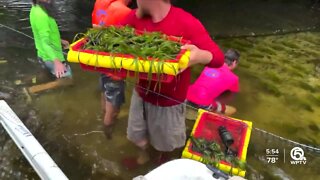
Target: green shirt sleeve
(43, 26)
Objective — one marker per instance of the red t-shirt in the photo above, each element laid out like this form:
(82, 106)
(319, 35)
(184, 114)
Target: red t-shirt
(177, 23)
(109, 12)
(211, 83)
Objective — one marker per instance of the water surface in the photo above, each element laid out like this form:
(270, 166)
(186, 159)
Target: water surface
(279, 79)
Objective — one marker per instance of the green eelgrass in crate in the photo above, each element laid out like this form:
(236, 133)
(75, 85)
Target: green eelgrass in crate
(112, 47)
(205, 143)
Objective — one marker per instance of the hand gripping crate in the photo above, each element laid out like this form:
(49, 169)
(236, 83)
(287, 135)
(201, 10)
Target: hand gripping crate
(206, 126)
(123, 64)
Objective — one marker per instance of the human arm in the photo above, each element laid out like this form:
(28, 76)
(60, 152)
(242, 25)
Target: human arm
(235, 86)
(230, 94)
(231, 90)
(227, 97)
(96, 26)
(65, 44)
(51, 49)
(198, 56)
(59, 68)
(203, 49)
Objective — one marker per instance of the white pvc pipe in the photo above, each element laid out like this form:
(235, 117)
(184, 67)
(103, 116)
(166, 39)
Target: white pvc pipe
(41, 162)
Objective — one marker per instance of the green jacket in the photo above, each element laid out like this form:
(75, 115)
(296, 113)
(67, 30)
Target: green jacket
(46, 35)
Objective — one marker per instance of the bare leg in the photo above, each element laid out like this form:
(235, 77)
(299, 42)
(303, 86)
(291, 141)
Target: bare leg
(144, 156)
(103, 103)
(110, 114)
(163, 157)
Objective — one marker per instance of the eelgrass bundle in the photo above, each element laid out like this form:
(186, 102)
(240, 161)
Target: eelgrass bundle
(125, 40)
(115, 48)
(212, 153)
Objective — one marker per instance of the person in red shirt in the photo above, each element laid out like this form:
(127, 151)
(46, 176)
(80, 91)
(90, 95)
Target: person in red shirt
(106, 13)
(109, 12)
(158, 118)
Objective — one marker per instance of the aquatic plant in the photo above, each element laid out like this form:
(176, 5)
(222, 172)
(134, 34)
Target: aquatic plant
(290, 44)
(266, 50)
(315, 99)
(298, 103)
(306, 86)
(256, 55)
(273, 76)
(277, 47)
(212, 153)
(271, 88)
(125, 40)
(155, 47)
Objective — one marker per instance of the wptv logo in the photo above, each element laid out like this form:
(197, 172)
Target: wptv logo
(297, 155)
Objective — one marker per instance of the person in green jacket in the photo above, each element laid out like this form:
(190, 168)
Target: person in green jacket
(47, 39)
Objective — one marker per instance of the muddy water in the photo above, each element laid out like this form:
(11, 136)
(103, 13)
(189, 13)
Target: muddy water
(279, 78)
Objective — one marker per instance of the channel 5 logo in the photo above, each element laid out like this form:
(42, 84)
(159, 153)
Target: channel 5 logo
(297, 154)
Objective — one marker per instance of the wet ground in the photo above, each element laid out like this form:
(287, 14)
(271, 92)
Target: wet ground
(279, 77)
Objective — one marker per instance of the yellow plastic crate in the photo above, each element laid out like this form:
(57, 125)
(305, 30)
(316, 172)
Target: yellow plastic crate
(126, 61)
(206, 126)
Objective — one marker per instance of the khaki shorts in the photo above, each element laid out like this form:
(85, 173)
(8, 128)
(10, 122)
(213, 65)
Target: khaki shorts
(164, 127)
